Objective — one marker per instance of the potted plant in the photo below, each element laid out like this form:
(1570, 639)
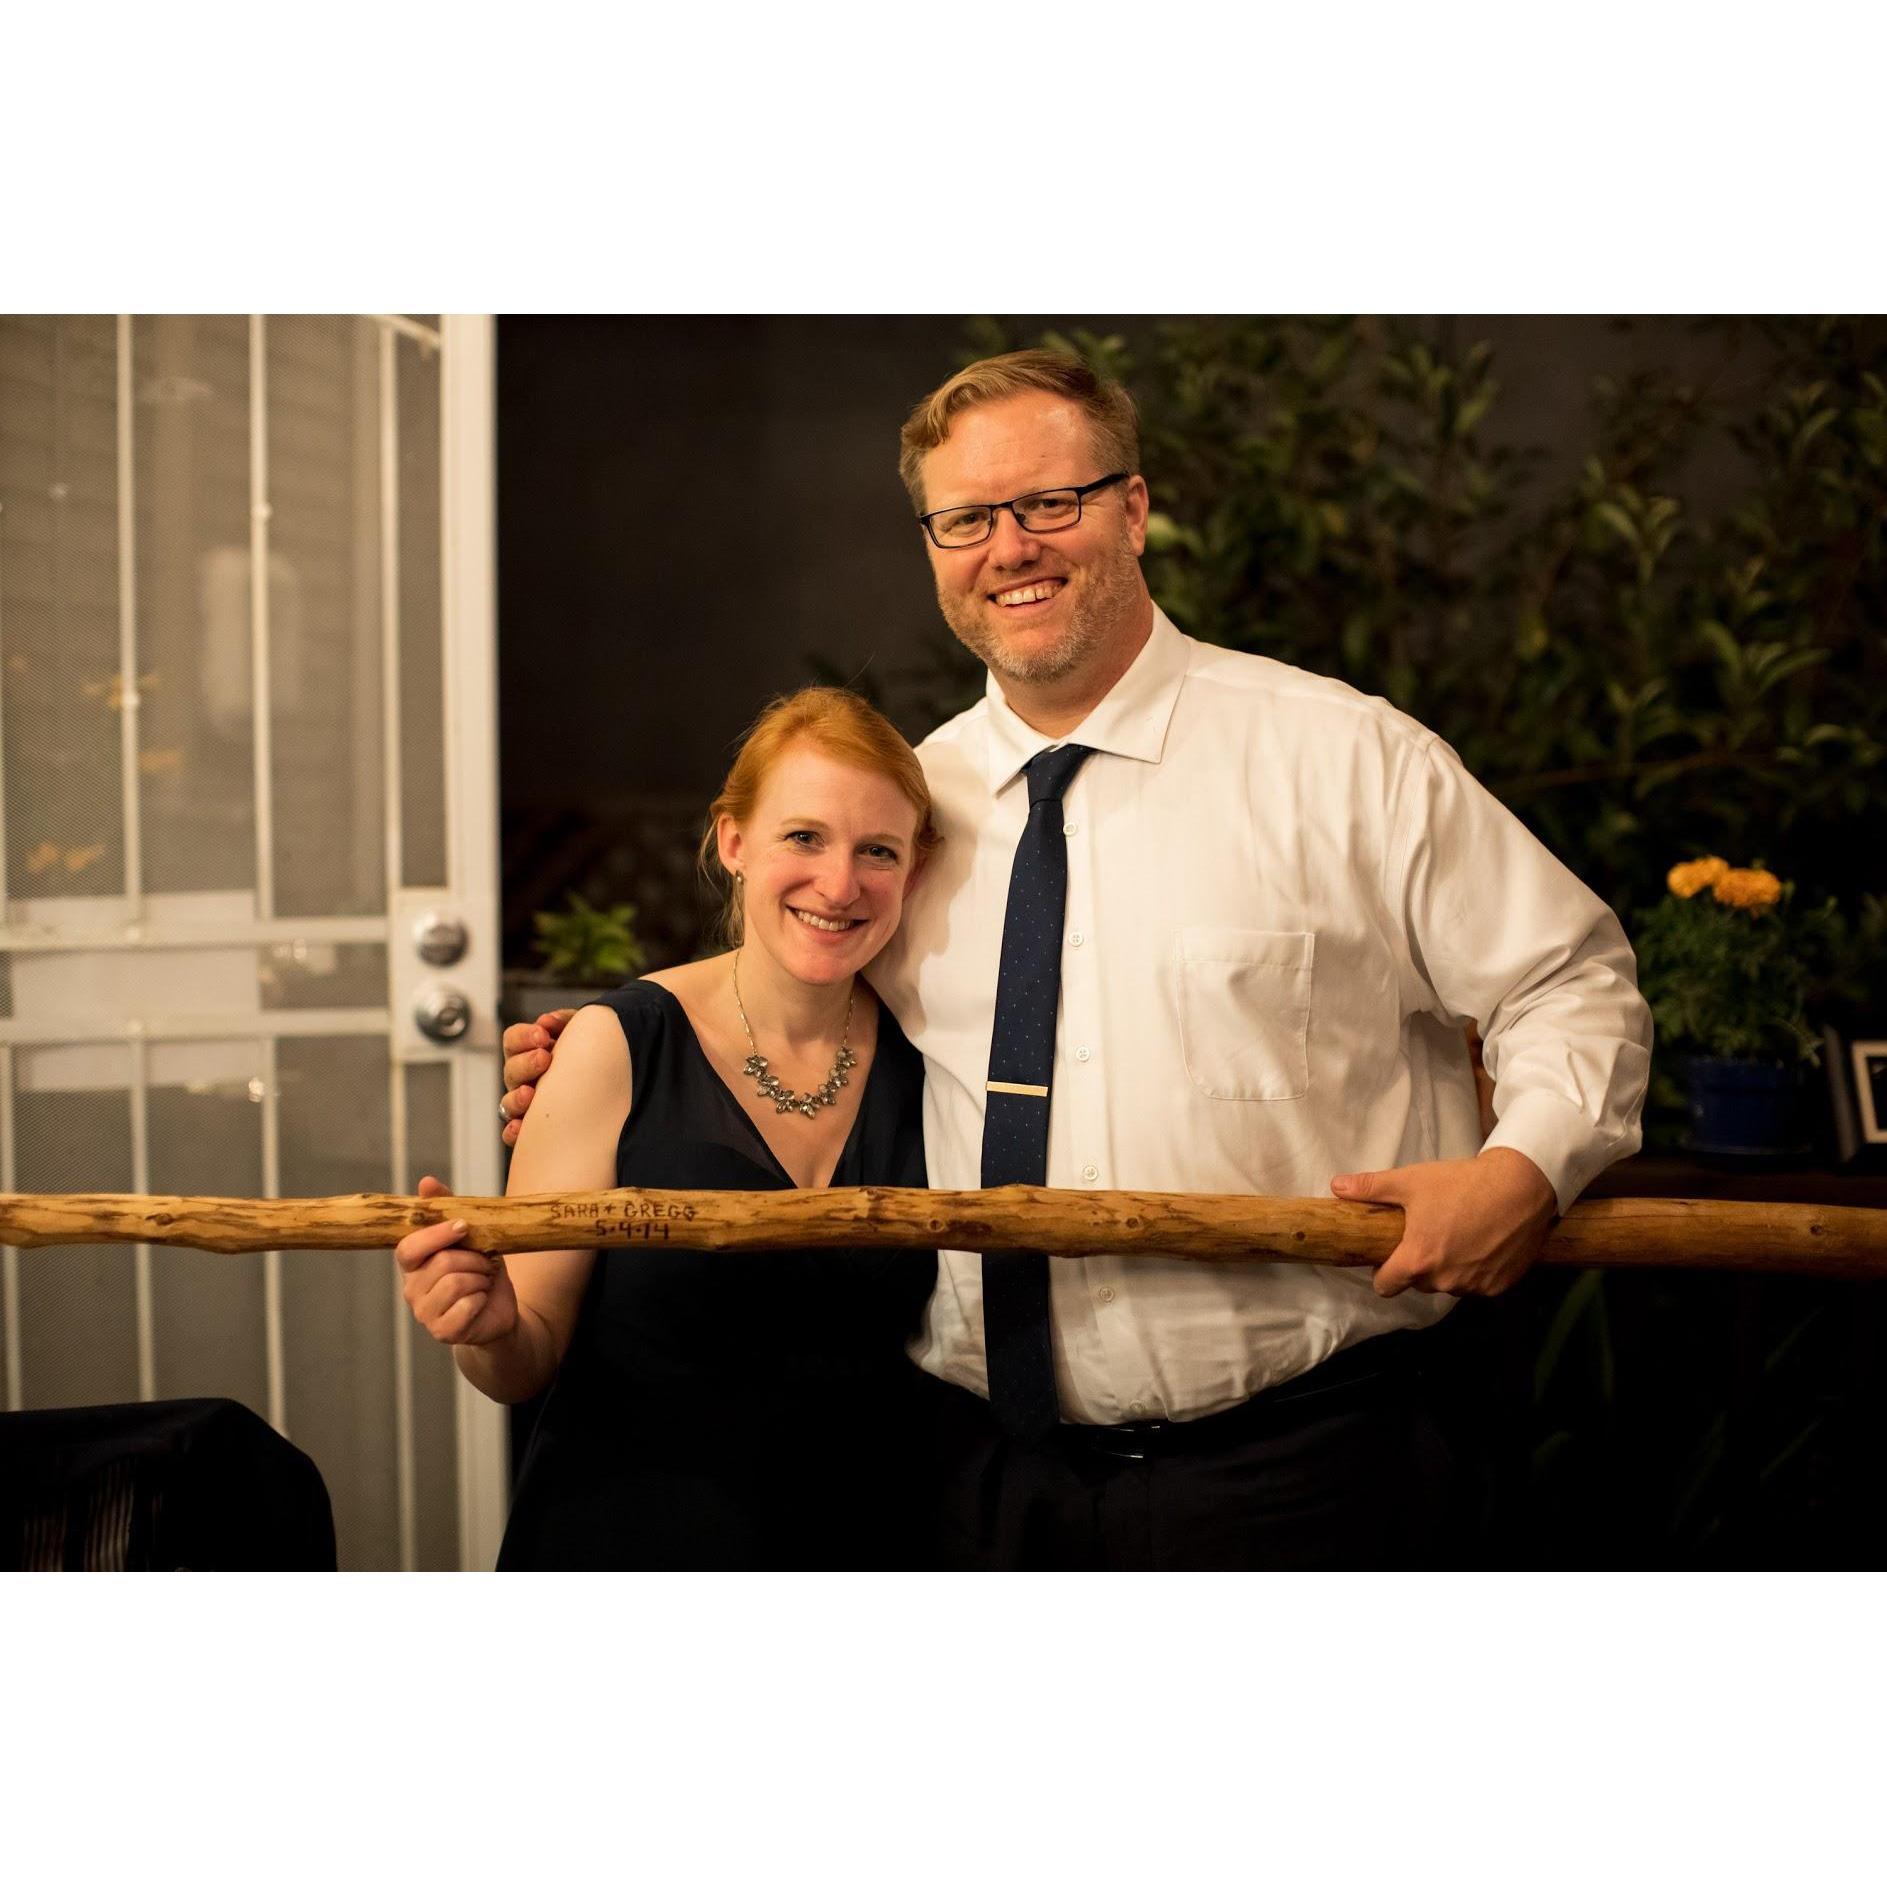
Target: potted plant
(1727, 967)
(582, 950)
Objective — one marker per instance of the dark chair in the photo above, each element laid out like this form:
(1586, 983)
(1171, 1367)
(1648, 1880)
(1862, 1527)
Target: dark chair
(202, 1486)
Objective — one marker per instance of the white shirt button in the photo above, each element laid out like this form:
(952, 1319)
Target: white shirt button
(1076, 938)
(1084, 1054)
(1069, 828)
(1136, 1408)
(1105, 1294)
(1090, 1173)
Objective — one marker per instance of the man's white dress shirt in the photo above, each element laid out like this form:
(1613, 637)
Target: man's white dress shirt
(1285, 901)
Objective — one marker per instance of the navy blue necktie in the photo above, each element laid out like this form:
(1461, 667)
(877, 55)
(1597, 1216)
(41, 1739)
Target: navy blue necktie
(1015, 1117)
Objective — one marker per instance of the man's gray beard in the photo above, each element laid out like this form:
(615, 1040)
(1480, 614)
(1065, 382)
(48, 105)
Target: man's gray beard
(1111, 597)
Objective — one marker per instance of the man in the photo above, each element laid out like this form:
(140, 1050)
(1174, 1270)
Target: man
(1278, 904)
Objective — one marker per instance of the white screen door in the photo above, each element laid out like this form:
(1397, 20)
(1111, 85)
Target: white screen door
(247, 765)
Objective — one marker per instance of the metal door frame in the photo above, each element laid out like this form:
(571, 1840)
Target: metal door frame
(468, 516)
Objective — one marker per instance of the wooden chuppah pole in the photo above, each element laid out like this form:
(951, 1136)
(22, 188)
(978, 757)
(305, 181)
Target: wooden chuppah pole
(1689, 1234)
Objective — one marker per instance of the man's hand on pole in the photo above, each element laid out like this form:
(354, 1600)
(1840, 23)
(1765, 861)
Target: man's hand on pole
(1470, 1227)
(528, 1047)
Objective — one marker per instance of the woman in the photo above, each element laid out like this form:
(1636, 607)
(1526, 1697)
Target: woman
(716, 1409)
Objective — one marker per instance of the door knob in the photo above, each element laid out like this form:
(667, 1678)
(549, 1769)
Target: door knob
(442, 1014)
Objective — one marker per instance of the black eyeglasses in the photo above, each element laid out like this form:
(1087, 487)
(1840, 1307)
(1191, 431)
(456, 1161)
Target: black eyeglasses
(1038, 511)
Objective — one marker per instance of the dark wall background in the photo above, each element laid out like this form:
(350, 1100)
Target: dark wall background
(690, 509)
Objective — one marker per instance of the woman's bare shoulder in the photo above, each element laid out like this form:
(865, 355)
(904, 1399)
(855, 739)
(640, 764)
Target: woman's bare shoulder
(592, 1060)
(689, 982)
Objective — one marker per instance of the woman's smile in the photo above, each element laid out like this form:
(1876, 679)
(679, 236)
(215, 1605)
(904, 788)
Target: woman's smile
(833, 924)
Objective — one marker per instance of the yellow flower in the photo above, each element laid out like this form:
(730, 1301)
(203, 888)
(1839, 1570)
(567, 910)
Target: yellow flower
(1687, 880)
(1749, 890)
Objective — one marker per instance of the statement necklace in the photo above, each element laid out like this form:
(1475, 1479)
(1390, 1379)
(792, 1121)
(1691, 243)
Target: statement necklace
(784, 1100)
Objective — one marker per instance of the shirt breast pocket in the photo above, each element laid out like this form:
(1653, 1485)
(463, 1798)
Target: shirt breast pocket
(1244, 1012)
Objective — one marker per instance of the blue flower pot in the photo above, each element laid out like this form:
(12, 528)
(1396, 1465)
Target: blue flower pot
(1744, 1107)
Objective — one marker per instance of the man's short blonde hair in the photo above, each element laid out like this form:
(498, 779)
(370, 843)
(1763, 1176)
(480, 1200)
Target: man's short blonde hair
(1112, 421)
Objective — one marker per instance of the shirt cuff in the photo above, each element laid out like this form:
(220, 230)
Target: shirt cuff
(1561, 1142)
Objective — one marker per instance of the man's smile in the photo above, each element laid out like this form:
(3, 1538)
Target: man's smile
(1020, 595)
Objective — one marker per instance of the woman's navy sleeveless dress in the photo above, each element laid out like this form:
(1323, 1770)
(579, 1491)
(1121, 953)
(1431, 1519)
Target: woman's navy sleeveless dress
(737, 1409)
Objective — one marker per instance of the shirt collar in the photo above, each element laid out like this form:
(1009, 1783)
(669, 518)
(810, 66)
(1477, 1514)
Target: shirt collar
(1130, 720)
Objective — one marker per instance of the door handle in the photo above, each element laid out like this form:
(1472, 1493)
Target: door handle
(442, 1014)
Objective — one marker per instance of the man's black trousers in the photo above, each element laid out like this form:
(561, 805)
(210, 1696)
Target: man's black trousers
(1362, 1462)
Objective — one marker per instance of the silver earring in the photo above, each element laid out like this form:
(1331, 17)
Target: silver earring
(740, 878)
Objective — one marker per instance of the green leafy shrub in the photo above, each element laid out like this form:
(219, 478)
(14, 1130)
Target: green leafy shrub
(586, 945)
